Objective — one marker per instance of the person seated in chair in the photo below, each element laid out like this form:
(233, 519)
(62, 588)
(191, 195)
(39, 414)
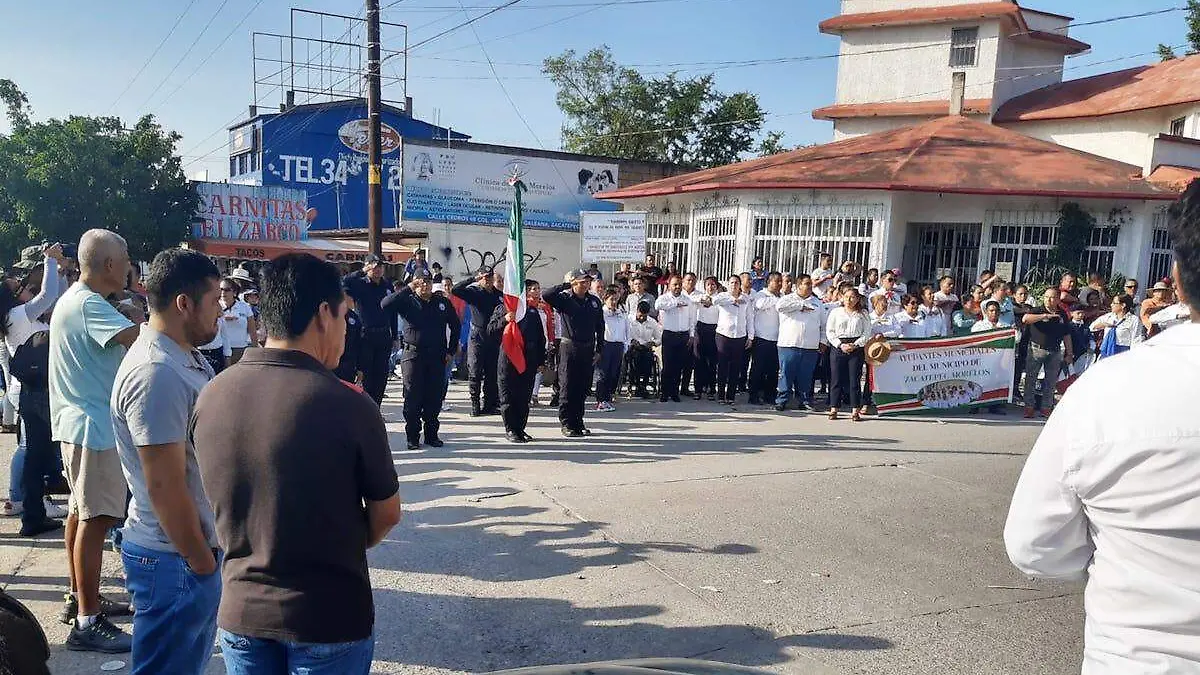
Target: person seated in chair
(644, 335)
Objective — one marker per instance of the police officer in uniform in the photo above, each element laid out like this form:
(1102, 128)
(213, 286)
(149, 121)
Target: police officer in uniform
(483, 348)
(430, 342)
(368, 288)
(583, 330)
(516, 388)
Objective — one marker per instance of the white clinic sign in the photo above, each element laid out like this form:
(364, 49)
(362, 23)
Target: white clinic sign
(612, 236)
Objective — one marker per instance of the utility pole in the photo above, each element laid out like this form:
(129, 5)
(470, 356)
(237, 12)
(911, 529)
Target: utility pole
(374, 152)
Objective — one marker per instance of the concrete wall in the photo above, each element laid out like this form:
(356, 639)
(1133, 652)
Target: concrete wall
(860, 126)
(1022, 68)
(549, 254)
(1174, 153)
(918, 74)
(1126, 138)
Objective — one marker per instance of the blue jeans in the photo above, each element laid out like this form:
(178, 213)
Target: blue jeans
(609, 371)
(796, 367)
(258, 656)
(16, 470)
(175, 611)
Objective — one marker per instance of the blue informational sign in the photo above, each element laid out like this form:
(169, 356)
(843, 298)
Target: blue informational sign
(472, 186)
(322, 149)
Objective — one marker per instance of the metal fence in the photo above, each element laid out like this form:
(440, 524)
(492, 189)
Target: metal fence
(1025, 239)
(791, 238)
(716, 240)
(1162, 255)
(668, 238)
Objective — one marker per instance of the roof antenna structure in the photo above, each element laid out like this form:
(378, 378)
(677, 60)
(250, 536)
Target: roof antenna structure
(958, 92)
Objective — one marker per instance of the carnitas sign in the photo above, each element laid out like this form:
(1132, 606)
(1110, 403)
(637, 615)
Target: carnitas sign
(251, 213)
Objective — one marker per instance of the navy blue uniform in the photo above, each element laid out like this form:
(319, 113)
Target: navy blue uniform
(483, 348)
(379, 330)
(430, 336)
(583, 329)
(516, 389)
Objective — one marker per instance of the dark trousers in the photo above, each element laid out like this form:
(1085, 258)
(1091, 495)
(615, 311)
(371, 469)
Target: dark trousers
(796, 368)
(846, 377)
(706, 357)
(743, 373)
(40, 454)
(575, 362)
(424, 391)
(373, 361)
(609, 370)
(688, 361)
(821, 372)
(674, 352)
(731, 354)
(640, 361)
(482, 363)
(516, 389)
(764, 371)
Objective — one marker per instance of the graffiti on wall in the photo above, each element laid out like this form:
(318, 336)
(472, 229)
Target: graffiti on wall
(473, 259)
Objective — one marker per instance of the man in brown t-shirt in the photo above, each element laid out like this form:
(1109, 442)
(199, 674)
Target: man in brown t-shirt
(297, 466)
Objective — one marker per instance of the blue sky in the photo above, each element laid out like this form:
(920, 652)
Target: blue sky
(77, 59)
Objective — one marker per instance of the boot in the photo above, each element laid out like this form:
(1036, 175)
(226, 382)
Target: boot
(476, 410)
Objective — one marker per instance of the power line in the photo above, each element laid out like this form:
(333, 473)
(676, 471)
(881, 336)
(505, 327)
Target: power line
(447, 8)
(185, 54)
(153, 54)
(212, 53)
(468, 22)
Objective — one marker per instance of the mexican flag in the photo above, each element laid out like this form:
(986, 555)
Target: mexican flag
(512, 342)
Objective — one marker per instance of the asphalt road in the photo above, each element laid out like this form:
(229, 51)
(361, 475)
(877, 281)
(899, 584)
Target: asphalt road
(781, 541)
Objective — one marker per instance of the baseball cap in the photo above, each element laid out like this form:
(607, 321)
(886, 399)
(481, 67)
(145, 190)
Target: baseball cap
(373, 259)
(580, 273)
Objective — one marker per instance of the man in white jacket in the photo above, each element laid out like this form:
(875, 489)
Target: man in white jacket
(801, 341)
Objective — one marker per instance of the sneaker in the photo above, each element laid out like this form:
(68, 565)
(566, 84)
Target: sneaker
(779, 407)
(102, 636)
(54, 510)
(47, 525)
(108, 607)
(572, 433)
(13, 509)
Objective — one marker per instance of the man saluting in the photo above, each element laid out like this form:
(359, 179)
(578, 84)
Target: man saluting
(516, 388)
(430, 342)
(483, 349)
(583, 328)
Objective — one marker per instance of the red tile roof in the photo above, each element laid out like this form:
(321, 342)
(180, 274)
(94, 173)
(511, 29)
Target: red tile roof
(1155, 86)
(972, 106)
(1173, 177)
(949, 154)
(1003, 9)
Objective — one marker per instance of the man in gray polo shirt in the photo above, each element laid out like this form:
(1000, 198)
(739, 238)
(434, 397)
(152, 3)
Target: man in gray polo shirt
(170, 548)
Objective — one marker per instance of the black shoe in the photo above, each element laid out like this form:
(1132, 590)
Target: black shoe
(712, 396)
(697, 396)
(779, 407)
(476, 412)
(488, 412)
(662, 399)
(514, 437)
(434, 442)
(572, 433)
(526, 437)
(47, 525)
(686, 392)
(805, 407)
(727, 401)
(675, 399)
(585, 431)
(413, 445)
(553, 402)
(102, 636)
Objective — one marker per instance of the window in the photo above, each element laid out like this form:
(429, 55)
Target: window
(1178, 126)
(1025, 239)
(1162, 256)
(716, 241)
(253, 162)
(233, 166)
(667, 238)
(964, 46)
(791, 238)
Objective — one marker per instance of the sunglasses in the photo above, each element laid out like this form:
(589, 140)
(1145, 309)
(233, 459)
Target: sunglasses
(226, 290)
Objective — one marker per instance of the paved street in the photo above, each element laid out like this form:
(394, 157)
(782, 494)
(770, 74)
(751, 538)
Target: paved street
(764, 539)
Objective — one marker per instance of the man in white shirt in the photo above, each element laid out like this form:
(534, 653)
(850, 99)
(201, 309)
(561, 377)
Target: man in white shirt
(678, 326)
(639, 294)
(823, 276)
(706, 339)
(1112, 498)
(801, 339)
(764, 369)
(869, 286)
(644, 335)
(735, 334)
(888, 290)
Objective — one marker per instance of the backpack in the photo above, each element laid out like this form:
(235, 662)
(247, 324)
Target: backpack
(31, 362)
(24, 649)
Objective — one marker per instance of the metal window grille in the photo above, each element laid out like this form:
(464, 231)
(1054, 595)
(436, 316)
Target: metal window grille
(1178, 126)
(964, 46)
(716, 240)
(1162, 255)
(667, 237)
(791, 238)
(1025, 239)
(947, 248)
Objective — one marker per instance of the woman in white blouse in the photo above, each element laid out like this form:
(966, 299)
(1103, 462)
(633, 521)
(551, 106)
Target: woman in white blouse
(848, 329)
(1121, 327)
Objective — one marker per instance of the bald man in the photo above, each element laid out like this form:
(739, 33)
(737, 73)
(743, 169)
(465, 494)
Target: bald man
(88, 338)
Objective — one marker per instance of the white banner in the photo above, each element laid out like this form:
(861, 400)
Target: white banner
(946, 373)
(471, 186)
(612, 237)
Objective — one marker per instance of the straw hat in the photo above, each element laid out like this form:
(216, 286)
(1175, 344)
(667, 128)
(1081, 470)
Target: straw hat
(878, 350)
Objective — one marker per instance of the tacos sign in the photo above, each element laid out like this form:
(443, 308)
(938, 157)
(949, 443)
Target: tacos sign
(938, 374)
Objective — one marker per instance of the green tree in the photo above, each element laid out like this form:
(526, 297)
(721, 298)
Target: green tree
(1166, 53)
(772, 144)
(59, 178)
(616, 111)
